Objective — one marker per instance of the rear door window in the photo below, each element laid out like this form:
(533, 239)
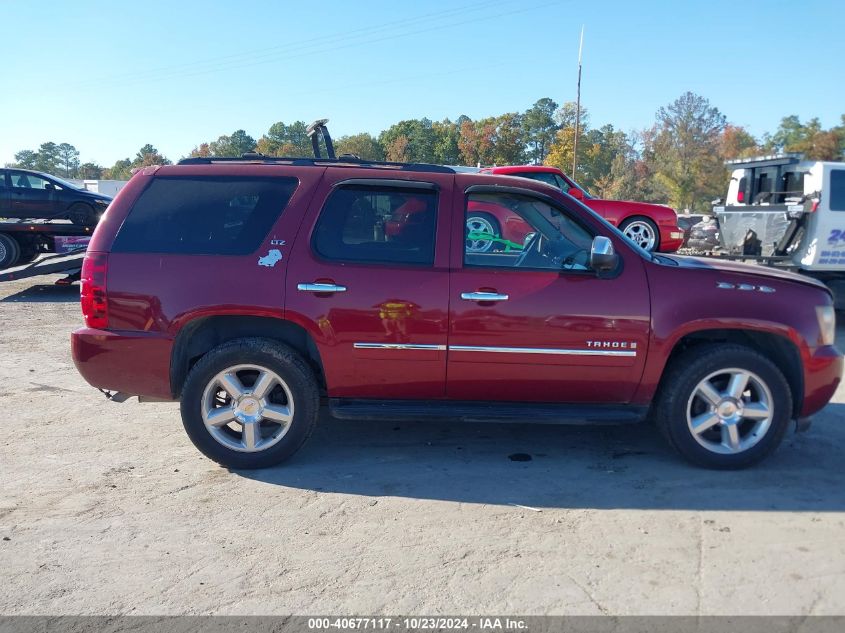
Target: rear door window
(204, 216)
(377, 225)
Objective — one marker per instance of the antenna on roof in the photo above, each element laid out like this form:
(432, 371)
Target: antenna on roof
(315, 131)
(577, 109)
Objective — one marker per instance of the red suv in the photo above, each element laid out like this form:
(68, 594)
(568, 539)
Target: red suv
(654, 227)
(253, 289)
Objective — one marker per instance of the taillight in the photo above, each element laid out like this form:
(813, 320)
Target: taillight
(740, 196)
(92, 293)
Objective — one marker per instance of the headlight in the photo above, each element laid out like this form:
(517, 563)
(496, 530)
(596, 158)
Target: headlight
(827, 324)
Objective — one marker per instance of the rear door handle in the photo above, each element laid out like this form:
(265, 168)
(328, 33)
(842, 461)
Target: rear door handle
(483, 296)
(316, 287)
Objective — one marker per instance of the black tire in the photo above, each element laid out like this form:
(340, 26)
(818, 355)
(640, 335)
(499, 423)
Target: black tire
(272, 355)
(10, 251)
(644, 220)
(82, 214)
(494, 224)
(682, 377)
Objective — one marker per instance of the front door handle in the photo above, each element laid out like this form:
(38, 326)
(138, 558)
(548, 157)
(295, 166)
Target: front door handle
(317, 287)
(483, 296)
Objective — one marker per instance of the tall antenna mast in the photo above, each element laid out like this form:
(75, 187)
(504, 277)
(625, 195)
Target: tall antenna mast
(577, 109)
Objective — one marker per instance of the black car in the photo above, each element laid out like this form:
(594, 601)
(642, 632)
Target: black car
(26, 194)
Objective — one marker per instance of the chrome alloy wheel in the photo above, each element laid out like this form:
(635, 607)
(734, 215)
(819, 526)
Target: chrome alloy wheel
(730, 411)
(477, 224)
(247, 408)
(642, 234)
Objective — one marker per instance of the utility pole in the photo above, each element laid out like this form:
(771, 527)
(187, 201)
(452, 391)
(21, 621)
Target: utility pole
(577, 109)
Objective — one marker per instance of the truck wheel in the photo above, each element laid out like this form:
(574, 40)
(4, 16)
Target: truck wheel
(642, 231)
(481, 223)
(250, 403)
(723, 406)
(10, 251)
(82, 214)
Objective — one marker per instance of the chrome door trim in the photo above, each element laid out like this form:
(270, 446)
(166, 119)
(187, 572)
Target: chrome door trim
(413, 346)
(542, 350)
(483, 296)
(315, 287)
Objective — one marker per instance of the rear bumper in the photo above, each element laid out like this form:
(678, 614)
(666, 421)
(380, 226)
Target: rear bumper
(822, 374)
(136, 363)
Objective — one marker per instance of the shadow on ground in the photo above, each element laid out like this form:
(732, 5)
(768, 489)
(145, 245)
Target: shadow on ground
(567, 467)
(45, 293)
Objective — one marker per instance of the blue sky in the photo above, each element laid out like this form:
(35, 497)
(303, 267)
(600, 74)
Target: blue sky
(109, 77)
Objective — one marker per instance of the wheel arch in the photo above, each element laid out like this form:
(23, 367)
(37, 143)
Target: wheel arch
(201, 335)
(778, 348)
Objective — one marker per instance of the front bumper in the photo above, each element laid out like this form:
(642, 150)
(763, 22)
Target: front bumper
(822, 374)
(135, 363)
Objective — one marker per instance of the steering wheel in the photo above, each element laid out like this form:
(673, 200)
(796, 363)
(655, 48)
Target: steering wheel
(528, 249)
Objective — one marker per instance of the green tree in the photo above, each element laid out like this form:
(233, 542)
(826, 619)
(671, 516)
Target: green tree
(26, 159)
(446, 136)
(68, 157)
(148, 156)
(121, 170)
(362, 145)
(540, 128)
(90, 171)
(686, 150)
(47, 158)
(235, 145)
(508, 144)
(420, 140)
(286, 140)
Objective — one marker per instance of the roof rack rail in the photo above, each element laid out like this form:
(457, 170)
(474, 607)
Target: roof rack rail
(342, 161)
(317, 130)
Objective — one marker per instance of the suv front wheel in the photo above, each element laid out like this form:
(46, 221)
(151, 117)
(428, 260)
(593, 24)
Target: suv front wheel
(723, 406)
(250, 403)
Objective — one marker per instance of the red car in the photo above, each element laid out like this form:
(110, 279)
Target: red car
(654, 227)
(253, 290)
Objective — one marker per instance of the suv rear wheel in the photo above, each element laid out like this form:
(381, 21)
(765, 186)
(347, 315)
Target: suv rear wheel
(723, 406)
(250, 403)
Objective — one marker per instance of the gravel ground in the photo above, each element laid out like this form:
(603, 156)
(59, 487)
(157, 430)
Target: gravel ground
(108, 509)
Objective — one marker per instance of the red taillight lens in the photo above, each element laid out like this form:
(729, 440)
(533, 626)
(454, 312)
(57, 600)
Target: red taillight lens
(740, 196)
(92, 292)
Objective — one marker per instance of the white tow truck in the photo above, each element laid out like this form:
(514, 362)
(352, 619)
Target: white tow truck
(788, 212)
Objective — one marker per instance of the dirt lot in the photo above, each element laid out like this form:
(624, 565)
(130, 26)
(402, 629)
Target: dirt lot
(107, 509)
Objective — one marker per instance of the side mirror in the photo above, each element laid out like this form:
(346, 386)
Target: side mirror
(576, 193)
(49, 186)
(603, 258)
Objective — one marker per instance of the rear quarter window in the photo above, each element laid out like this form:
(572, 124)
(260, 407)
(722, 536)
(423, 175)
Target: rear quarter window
(204, 216)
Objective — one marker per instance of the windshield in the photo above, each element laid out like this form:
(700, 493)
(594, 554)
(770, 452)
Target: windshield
(63, 183)
(571, 183)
